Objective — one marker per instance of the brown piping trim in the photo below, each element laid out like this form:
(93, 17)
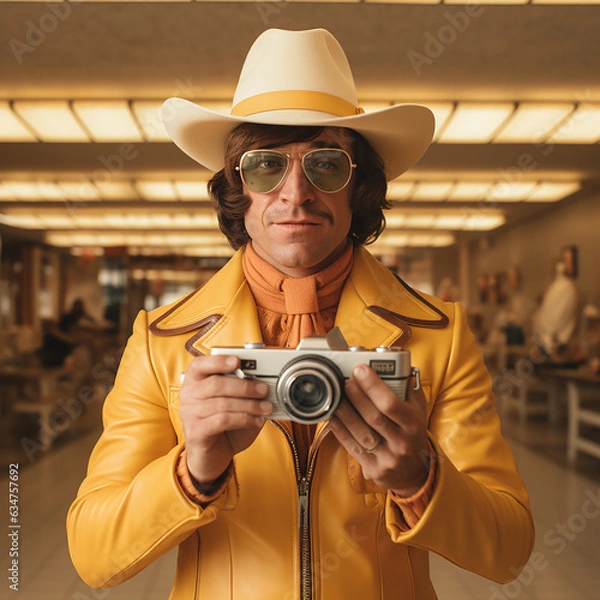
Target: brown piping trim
(440, 324)
(404, 322)
(156, 330)
(205, 325)
(395, 319)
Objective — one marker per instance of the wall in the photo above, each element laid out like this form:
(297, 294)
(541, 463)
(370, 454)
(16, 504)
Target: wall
(535, 245)
(446, 268)
(82, 282)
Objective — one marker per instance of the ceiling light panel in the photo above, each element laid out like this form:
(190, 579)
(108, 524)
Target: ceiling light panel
(448, 221)
(20, 221)
(395, 219)
(130, 1)
(119, 238)
(108, 120)
(405, 1)
(55, 221)
(156, 190)
(431, 240)
(498, 2)
(511, 191)
(469, 191)
(49, 190)
(582, 126)
(22, 190)
(441, 112)
(25, 190)
(552, 192)
(444, 219)
(532, 122)
(473, 123)
(431, 191)
(80, 190)
(399, 240)
(191, 190)
(87, 220)
(51, 120)
(116, 190)
(6, 193)
(12, 128)
(148, 115)
(400, 190)
(483, 222)
(420, 221)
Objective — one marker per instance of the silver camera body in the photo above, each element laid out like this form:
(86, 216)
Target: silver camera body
(306, 385)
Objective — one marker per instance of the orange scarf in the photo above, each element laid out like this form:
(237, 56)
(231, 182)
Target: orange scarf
(291, 308)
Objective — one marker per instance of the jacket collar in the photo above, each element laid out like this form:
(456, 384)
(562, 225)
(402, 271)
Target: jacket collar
(375, 309)
(220, 313)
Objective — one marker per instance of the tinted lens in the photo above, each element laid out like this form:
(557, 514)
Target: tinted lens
(308, 393)
(263, 170)
(328, 170)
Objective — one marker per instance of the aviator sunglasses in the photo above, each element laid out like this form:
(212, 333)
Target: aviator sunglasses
(328, 169)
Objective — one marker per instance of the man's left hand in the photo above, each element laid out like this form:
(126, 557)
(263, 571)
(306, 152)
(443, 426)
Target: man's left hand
(386, 435)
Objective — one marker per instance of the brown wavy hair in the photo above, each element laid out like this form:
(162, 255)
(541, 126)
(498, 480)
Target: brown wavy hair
(368, 192)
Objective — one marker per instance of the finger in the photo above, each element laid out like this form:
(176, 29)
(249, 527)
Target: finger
(210, 406)
(214, 386)
(397, 410)
(363, 434)
(347, 440)
(219, 423)
(203, 366)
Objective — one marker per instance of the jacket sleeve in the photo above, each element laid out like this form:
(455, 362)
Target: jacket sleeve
(478, 516)
(130, 509)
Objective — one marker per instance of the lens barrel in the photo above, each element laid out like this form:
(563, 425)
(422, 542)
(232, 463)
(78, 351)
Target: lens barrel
(309, 388)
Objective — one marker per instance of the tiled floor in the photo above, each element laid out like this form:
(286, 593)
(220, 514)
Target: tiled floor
(564, 566)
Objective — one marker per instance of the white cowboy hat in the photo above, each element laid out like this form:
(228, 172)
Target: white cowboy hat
(299, 78)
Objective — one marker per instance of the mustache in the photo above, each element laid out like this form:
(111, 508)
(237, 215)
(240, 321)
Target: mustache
(299, 214)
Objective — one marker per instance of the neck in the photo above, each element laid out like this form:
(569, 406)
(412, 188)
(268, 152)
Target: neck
(298, 271)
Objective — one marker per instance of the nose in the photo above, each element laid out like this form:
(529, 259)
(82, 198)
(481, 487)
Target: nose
(296, 188)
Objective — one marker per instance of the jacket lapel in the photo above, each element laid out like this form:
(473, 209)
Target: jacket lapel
(220, 313)
(378, 309)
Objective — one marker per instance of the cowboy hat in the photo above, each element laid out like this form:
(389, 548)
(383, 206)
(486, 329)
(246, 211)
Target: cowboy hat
(299, 78)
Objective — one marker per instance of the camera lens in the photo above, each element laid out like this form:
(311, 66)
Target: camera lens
(309, 388)
(308, 392)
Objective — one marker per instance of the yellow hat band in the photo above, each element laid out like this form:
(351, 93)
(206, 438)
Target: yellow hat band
(295, 100)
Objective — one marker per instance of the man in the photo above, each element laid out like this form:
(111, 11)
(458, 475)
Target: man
(263, 508)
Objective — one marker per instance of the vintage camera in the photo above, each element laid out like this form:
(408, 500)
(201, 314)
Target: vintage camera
(307, 384)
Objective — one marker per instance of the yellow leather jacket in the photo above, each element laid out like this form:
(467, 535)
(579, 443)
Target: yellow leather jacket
(247, 544)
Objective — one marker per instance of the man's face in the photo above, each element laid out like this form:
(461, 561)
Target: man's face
(297, 228)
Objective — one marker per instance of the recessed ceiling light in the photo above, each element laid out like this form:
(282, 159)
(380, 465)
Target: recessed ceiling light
(52, 120)
(475, 123)
(533, 122)
(108, 120)
(12, 128)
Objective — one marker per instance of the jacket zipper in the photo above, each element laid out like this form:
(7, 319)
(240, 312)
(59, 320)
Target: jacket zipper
(304, 483)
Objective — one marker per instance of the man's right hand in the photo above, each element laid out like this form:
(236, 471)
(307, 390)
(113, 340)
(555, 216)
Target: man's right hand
(221, 415)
